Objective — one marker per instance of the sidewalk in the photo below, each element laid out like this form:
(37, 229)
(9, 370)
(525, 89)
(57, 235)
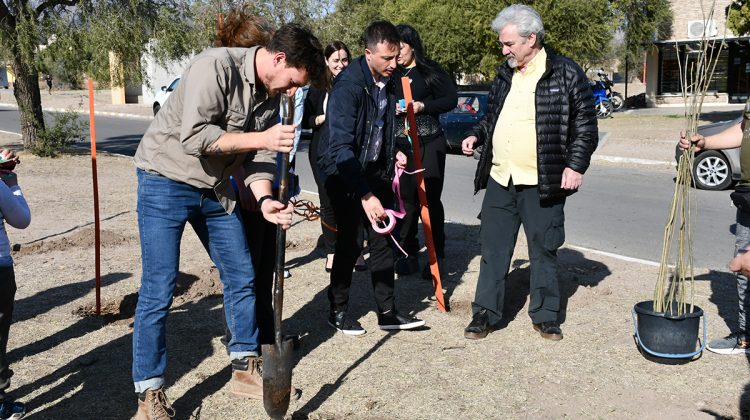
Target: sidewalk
(78, 100)
(641, 137)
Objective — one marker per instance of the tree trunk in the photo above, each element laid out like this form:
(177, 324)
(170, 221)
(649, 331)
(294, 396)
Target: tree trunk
(26, 91)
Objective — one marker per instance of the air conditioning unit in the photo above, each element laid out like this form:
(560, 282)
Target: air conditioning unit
(699, 28)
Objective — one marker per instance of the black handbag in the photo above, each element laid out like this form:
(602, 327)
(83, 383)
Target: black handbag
(427, 125)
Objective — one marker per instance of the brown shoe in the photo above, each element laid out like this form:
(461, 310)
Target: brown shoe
(247, 378)
(549, 330)
(153, 405)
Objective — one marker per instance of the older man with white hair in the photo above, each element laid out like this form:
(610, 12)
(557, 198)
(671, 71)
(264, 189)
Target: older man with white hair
(538, 135)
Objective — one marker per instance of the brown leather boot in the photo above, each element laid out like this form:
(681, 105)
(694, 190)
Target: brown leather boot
(247, 379)
(153, 405)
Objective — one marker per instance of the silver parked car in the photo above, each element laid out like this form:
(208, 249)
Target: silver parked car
(716, 169)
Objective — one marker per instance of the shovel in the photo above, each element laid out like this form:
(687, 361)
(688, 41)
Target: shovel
(277, 357)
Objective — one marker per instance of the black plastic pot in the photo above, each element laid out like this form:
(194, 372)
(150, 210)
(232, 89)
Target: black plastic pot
(663, 335)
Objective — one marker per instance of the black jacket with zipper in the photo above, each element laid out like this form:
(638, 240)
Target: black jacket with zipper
(566, 126)
(350, 119)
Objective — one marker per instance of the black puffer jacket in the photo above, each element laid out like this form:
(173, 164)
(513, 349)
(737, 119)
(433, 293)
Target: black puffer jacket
(566, 126)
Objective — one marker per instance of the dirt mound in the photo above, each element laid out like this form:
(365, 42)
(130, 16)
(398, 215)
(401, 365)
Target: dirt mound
(112, 311)
(189, 288)
(82, 238)
(192, 288)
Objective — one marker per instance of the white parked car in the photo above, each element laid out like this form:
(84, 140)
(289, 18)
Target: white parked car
(163, 93)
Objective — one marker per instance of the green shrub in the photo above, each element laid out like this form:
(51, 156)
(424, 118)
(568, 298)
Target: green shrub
(67, 129)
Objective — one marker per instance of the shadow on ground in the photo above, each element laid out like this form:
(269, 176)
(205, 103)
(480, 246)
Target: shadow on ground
(76, 386)
(414, 295)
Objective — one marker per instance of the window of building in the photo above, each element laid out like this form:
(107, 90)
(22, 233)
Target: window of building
(684, 59)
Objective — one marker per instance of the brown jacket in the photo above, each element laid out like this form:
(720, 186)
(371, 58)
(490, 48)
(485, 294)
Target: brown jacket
(216, 94)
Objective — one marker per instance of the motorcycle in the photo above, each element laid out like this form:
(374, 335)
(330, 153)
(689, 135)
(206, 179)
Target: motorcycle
(602, 104)
(615, 98)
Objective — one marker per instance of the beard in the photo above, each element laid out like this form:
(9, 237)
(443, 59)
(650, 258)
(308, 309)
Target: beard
(512, 62)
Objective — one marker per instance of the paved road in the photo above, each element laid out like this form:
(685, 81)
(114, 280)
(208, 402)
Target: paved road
(620, 209)
(115, 135)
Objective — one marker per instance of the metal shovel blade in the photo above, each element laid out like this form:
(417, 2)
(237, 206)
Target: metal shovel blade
(277, 378)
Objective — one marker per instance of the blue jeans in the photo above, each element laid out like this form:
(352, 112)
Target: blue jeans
(164, 206)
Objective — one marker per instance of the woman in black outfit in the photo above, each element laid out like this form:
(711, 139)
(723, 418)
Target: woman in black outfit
(337, 59)
(433, 92)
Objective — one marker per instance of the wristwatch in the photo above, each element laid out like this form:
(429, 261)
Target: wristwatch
(262, 199)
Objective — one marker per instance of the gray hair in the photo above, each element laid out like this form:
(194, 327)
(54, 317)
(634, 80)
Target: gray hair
(526, 19)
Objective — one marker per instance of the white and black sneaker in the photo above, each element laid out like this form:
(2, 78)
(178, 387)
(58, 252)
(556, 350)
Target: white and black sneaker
(393, 320)
(339, 321)
(734, 343)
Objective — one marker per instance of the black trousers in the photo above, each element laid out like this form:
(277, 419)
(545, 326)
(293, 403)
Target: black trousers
(351, 219)
(261, 240)
(7, 297)
(504, 209)
(433, 161)
(327, 218)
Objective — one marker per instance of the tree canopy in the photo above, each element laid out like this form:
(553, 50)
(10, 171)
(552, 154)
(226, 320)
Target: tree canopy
(738, 17)
(641, 21)
(81, 35)
(459, 36)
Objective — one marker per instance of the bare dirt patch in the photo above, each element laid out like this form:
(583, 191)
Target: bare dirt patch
(83, 238)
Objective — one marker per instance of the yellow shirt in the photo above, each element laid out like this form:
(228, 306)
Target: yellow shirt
(514, 137)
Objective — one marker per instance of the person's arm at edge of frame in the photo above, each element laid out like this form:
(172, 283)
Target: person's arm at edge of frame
(729, 138)
(13, 205)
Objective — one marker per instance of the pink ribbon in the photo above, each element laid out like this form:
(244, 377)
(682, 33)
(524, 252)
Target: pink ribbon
(392, 215)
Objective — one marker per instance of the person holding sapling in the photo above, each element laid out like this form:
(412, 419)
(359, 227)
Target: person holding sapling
(736, 135)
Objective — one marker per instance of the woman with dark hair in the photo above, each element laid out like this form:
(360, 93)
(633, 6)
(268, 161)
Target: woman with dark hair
(337, 59)
(433, 92)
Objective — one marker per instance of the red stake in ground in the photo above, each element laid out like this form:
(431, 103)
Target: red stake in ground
(97, 243)
(421, 191)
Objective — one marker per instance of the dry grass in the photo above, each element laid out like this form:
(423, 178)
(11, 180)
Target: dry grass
(71, 365)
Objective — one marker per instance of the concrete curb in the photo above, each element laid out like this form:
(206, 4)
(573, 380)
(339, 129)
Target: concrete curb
(637, 161)
(100, 113)
(594, 158)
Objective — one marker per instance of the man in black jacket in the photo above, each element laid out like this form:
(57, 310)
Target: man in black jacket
(537, 138)
(357, 154)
